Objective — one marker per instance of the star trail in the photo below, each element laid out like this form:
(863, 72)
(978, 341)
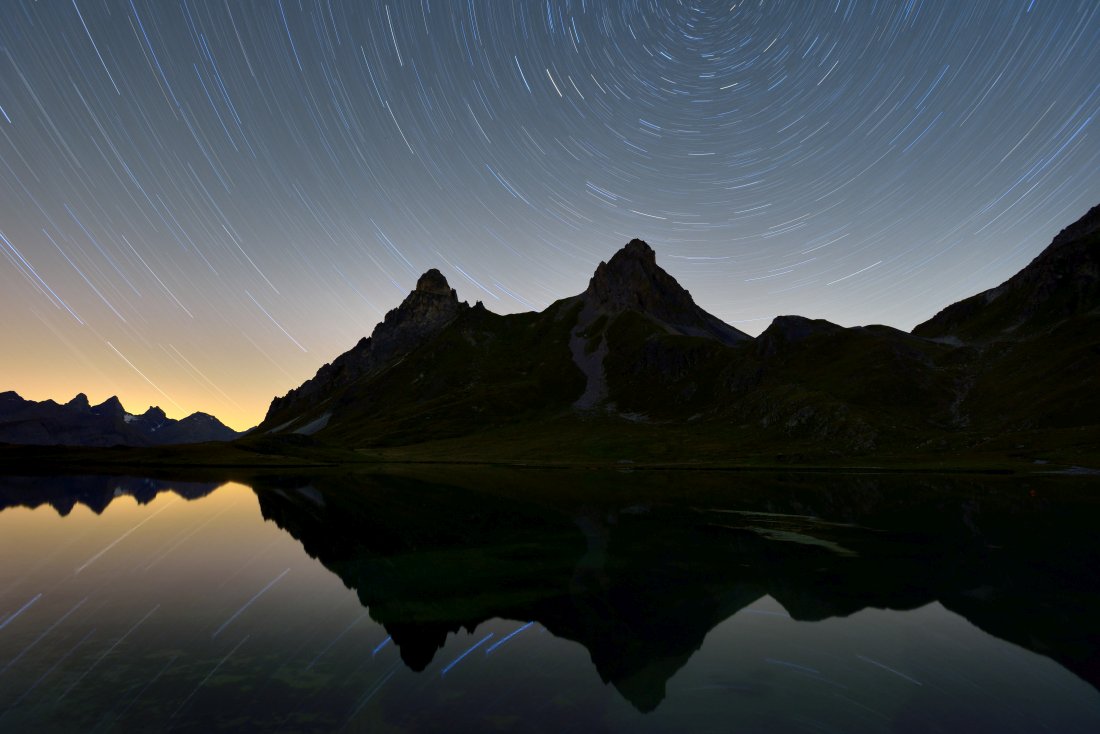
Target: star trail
(202, 202)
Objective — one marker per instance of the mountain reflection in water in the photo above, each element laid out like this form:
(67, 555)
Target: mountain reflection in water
(639, 569)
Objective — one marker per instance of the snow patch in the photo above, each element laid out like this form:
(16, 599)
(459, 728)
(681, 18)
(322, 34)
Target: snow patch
(281, 426)
(313, 426)
(595, 391)
(129, 418)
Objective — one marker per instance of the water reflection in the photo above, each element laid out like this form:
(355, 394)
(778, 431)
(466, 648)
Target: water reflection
(486, 598)
(63, 493)
(639, 578)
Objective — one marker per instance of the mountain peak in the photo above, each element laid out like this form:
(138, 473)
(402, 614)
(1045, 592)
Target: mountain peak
(79, 401)
(154, 414)
(434, 282)
(785, 331)
(111, 405)
(632, 280)
(10, 399)
(639, 249)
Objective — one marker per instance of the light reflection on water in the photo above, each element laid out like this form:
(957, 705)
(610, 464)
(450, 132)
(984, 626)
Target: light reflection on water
(194, 612)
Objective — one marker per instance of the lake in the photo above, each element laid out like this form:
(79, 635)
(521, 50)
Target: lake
(479, 599)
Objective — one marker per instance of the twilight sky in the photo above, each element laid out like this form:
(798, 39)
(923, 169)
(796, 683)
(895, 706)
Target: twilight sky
(202, 202)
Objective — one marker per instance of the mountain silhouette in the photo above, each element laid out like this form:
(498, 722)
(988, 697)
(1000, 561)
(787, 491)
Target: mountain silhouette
(78, 423)
(1062, 282)
(431, 306)
(633, 366)
(632, 281)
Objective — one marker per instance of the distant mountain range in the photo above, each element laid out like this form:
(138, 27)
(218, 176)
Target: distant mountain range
(78, 423)
(634, 355)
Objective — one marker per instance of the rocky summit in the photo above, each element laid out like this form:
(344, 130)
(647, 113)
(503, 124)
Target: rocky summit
(632, 365)
(632, 281)
(424, 313)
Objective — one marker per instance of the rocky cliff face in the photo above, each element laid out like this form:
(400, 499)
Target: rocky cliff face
(1062, 282)
(432, 305)
(424, 313)
(630, 304)
(632, 280)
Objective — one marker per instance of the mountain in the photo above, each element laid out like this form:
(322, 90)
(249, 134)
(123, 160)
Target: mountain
(78, 423)
(1032, 344)
(633, 366)
(432, 305)
(632, 281)
(1061, 283)
(435, 364)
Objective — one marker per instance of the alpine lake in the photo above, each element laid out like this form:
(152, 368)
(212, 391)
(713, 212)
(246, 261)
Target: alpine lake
(481, 599)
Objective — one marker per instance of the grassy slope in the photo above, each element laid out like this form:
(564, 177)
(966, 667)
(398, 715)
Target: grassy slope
(496, 389)
(484, 370)
(584, 444)
(1049, 380)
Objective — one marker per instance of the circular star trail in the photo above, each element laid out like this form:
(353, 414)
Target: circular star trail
(202, 202)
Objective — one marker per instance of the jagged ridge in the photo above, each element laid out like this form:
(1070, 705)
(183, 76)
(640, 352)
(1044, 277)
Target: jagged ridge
(425, 311)
(634, 347)
(78, 423)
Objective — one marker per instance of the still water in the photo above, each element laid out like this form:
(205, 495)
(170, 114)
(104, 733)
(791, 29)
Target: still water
(499, 600)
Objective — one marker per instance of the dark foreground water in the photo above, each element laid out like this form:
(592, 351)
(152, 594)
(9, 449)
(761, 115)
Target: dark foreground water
(540, 601)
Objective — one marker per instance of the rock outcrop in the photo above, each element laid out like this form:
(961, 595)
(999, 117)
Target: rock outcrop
(424, 313)
(632, 280)
(1061, 282)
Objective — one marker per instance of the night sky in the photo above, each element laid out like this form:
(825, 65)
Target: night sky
(201, 202)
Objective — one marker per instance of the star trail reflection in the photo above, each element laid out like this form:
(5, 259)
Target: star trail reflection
(363, 600)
